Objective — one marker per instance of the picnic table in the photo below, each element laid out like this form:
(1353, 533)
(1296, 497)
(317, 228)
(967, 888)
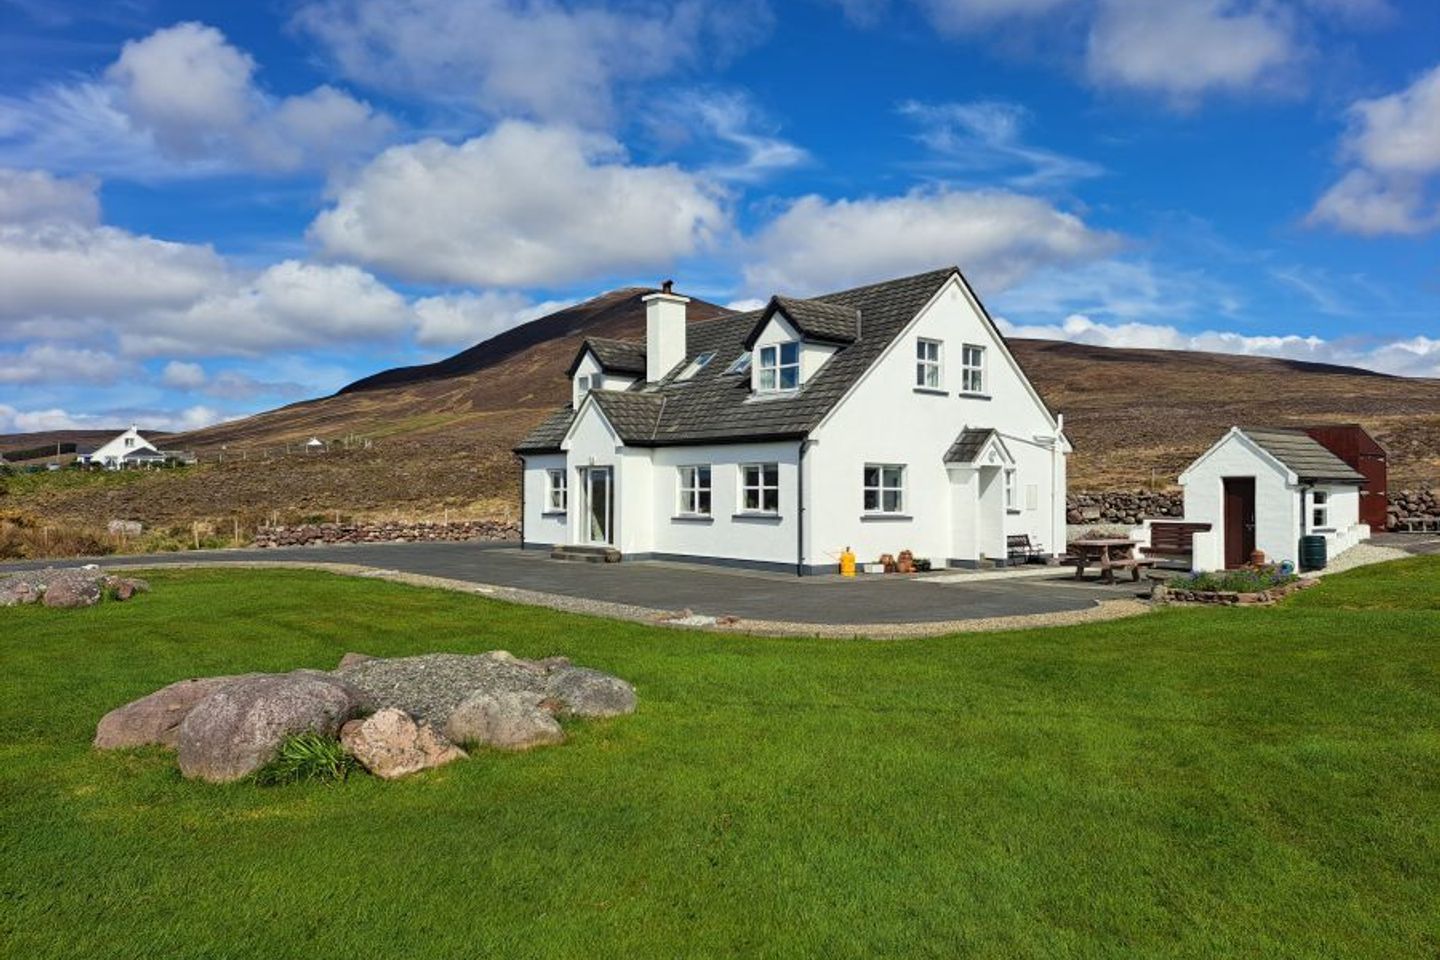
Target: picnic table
(1111, 554)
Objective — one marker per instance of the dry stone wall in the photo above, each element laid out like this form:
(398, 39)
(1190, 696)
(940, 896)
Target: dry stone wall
(1134, 506)
(385, 532)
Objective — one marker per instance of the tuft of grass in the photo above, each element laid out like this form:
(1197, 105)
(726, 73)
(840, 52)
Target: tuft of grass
(308, 758)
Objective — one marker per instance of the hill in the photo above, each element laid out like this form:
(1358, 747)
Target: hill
(423, 440)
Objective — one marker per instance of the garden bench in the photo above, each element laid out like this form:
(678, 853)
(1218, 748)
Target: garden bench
(1019, 547)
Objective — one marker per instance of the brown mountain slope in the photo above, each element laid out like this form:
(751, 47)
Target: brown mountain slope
(438, 437)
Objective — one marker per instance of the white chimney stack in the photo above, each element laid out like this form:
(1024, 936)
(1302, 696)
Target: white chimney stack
(664, 331)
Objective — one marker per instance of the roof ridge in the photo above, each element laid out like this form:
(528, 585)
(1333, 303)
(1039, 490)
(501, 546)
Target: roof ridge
(947, 271)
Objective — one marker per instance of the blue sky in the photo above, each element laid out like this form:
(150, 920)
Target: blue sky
(209, 209)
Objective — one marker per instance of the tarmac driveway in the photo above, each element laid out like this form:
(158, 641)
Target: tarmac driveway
(715, 591)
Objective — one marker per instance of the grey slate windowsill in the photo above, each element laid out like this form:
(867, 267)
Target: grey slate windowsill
(885, 516)
(756, 515)
(692, 518)
(933, 391)
(554, 513)
(973, 396)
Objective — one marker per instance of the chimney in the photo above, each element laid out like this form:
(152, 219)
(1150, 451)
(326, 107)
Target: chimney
(664, 331)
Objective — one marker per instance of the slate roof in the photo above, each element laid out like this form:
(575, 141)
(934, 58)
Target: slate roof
(615, 356)
(713, 406)
(968, 445)
(1303, 454)
(814, 319)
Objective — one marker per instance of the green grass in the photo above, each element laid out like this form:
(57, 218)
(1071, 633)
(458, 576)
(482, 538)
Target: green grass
(55, 481)
(1195, 783)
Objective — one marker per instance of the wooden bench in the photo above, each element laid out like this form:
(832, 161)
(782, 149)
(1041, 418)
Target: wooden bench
(1173, 539)
(1019, 547)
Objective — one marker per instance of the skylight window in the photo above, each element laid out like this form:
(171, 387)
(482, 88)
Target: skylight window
(696, 365)
(740, 364)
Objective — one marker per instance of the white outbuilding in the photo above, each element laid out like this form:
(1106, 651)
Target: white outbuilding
(1265, 488)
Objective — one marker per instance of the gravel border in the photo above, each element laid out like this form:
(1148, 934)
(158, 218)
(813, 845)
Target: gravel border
(1102, 611)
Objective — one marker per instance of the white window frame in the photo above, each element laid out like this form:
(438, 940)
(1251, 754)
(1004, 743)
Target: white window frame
(771, 367)
(557, 481)
(889, 479)
(583, 385)
(1012, 487)
(691, 481)
(763, 491)
(972, 369)
(929, 360)
(1319, 509)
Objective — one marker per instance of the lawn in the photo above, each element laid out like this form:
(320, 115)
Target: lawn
(1196, 783)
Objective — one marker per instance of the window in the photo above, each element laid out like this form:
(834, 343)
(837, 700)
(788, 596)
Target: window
(582, 387)
(1011, 503)
(695, 491)
(884, 488)
(760, 488)
(972, 369)
(696, 365)
(129, 442)
(1319, 509)
(557, 491)
(927, 364)
(780, 367)
(740, 364)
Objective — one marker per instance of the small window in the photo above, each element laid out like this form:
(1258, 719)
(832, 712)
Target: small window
(696, 365)
(695, 491)
(779, 367)
(972, 369)
(927, 364)
(884, 488)
(740, 364)
(760, 488)
(582, 387)
(129, 441)
(1011, 502)
(558, 493)
(1320, 509)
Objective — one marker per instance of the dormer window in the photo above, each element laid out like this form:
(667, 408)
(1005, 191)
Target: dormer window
(779, 367)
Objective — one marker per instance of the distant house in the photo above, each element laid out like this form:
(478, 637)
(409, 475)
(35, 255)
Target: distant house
(1265, 488)
(129, 449)
(314, 445)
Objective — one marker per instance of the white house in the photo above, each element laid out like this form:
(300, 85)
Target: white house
(129, 449)
(884, 418)
(1266, 488)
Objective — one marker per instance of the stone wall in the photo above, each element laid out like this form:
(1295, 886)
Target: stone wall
(385, 532)
(1412, 504)
(1121, 506)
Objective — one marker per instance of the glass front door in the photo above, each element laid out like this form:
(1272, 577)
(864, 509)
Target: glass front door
(599, 517)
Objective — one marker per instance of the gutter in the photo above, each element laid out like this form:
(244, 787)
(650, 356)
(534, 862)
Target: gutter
(521, 458)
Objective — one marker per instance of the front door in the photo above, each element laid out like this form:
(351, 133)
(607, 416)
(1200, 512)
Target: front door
(1239, 521)
(598, 518)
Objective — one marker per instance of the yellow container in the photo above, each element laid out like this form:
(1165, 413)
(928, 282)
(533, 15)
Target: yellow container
(847, 563)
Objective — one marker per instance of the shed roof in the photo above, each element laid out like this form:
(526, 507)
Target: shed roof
(1305, 456)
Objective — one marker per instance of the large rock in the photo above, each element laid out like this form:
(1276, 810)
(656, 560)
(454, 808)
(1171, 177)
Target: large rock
(392, 744)
(155, 719)
(73, 588)
(18, 589)
(590, 693)
(123, 588)
(238, 728)
(506, 721)
(431, 686)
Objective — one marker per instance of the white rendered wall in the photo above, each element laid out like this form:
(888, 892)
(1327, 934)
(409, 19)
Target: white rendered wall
(542, 526)
(886, 420)
(599, 379)
(729, 533)
(1277, 514)
(664, 334)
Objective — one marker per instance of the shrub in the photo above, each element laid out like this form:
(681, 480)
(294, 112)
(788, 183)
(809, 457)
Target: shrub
(308, 757)
(1247, 580)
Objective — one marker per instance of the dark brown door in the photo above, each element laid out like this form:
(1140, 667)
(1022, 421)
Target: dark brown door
(1239, 521)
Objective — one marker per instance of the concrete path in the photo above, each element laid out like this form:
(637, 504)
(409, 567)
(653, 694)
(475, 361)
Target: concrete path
(714, 591)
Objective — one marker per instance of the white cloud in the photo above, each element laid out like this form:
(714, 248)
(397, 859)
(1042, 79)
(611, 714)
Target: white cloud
(1393, 145)
(985, 137)
(468, 318)
(33, 196)
(522, 205)
(732, 120)
(52, 363)
(183, 376)
(1182, 49)
(533, 58)
(1414, 357)
(183, 100)
(13, 420)
(996, 236)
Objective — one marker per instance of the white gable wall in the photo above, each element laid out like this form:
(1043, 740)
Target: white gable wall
(599, 379)
(885, 419)
(112, 450)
